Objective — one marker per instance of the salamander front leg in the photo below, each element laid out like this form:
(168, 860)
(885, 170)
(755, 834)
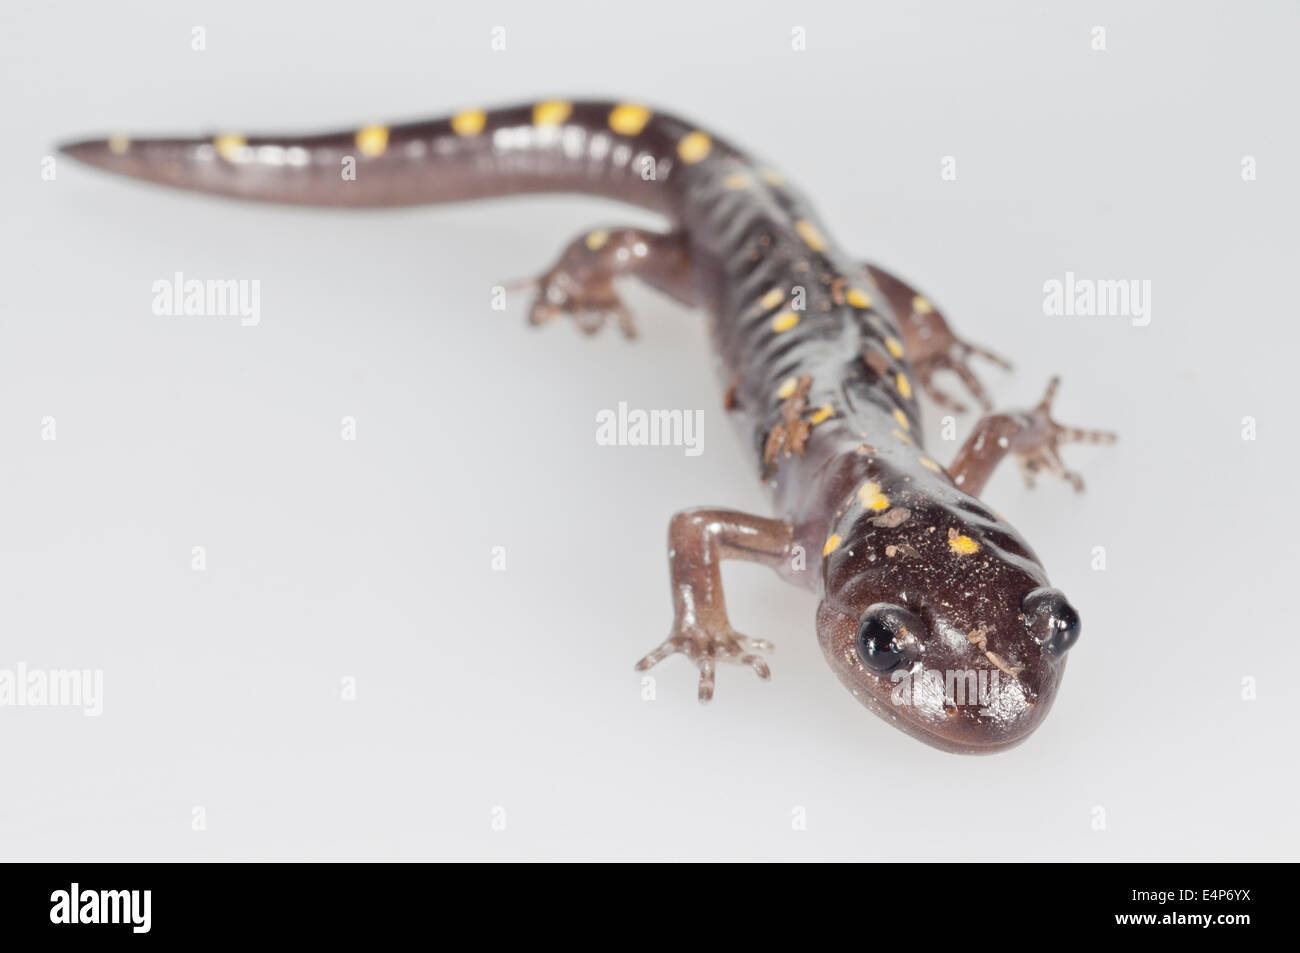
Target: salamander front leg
(1033, 436)
(698, 541)
(581, 283)
(930, 343)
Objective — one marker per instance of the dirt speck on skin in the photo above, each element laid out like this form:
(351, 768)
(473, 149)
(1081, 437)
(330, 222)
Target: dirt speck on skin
(790, 436)
(729, 398)
(997, 660)
(895, 517)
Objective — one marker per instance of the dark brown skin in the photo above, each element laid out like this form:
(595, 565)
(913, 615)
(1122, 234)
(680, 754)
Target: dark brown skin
(820, 356)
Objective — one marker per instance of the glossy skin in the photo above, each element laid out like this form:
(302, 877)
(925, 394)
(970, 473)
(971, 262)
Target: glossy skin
(821, 356)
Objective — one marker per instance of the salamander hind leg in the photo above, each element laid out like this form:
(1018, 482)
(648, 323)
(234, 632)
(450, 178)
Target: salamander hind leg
(581, 283)
(698, 541)
(1032, 436)
(931, 345)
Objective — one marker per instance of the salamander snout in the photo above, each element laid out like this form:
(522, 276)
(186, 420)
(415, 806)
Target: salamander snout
(1051, 621)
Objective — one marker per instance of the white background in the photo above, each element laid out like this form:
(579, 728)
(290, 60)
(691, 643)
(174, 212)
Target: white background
(515, 689)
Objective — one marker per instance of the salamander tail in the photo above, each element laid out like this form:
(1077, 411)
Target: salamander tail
(617, 150)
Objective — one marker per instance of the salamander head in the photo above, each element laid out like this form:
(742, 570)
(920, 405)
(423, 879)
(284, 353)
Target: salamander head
(939, 618)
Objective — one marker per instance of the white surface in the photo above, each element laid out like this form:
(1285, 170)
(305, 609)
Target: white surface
(372, 559)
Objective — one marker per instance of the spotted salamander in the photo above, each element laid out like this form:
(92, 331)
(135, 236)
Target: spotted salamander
(934, 612)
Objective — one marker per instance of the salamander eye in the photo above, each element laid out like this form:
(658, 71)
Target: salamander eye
(1051, 620)
(882, 636)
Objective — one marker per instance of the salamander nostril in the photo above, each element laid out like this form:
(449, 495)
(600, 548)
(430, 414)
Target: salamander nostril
(1051, 620)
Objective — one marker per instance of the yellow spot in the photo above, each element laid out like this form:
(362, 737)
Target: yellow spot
(824, 412)
(894, 347)
(771, 299)
(872, 498)
(694, 147)
(787, 387)
(552, 112)
(921, 305)
(961, 545)
(832, 544)
(628, 119)
(372, 140)
(468, 123)
(596, 240)
(231, 146)
(904, 386)
(772, 177)
(737, 180)
(902, 419)
(858, 298)
(785, 321)
(902, 436)
(118, 144)
(810, 234)
(930, 464)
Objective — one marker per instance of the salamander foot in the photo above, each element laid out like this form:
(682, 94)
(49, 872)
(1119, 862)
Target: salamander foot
(932, 345)
(698, 541)
(1037, 448)
(591, 303)
(581, 283)
(707, 647)
(1031, 436)
(952, 353)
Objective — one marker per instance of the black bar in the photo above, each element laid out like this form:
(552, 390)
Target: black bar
(330, 902)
